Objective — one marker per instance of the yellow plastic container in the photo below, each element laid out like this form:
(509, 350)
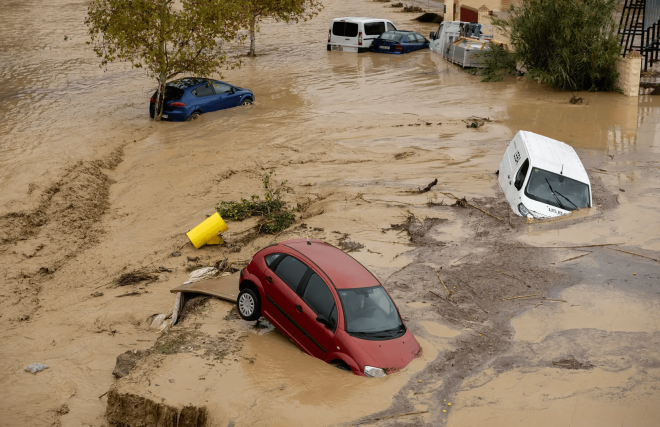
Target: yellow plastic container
(206, 233)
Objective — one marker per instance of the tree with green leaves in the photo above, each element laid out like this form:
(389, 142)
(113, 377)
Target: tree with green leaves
(165, 37)
(566, 44)
(254, 11)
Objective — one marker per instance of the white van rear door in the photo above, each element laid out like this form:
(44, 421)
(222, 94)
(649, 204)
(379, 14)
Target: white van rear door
(344, 33)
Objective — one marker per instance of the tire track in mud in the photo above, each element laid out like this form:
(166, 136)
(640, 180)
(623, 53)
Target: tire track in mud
(35, 243)
(488, 266)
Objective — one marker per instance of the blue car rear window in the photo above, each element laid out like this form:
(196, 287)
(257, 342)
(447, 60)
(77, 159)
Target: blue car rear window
(391, 37)
(171, 93)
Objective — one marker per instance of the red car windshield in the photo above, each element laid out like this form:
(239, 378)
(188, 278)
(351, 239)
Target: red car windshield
(369, 313)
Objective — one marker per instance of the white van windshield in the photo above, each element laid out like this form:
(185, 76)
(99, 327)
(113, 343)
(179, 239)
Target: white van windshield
(557, 190)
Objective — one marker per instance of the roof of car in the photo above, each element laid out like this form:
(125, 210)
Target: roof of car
(344, 271)
(553, 156)
(359, 19)
(187, 82)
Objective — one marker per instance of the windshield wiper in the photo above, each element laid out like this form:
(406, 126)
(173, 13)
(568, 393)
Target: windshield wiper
(553, 193)
(569, 200)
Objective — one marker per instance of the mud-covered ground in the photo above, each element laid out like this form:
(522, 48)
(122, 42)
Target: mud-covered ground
(90, 189)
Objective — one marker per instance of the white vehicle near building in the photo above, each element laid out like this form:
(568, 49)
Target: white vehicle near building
(461, 42)
(542, 177)
(355, 34)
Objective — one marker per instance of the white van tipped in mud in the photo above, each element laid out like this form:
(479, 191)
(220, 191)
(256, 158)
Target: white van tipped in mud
(355, 34)
(542, 177)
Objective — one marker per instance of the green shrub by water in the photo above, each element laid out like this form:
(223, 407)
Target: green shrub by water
(566, 44)
(276, 216)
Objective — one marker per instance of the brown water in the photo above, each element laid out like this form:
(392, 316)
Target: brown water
(329, 123)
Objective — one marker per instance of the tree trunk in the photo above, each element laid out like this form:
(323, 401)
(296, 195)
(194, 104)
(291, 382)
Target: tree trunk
(253, 25)
(160, 97)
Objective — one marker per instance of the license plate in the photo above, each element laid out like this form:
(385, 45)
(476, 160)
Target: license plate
(339, 48)
(165, 116)
(384, 47)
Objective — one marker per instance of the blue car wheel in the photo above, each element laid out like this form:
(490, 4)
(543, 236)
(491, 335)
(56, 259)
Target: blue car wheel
(194, 116)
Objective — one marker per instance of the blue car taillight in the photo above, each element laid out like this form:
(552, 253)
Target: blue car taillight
(177, 104)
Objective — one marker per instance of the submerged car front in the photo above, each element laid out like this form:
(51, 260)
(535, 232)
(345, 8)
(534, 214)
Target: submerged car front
(549, 194)
(373, 332)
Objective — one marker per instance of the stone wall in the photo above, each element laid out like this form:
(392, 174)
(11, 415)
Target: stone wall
(629, 69)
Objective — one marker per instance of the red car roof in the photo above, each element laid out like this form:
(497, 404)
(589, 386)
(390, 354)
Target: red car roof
(344, 271)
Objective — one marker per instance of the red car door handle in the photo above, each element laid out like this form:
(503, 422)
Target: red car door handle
(269, 279)
(299, 308)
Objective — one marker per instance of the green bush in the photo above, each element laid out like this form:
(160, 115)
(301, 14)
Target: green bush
(498, 62)
(566, 44)
(276, 216)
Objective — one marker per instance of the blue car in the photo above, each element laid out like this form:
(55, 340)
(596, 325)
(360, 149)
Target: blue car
(188, 98)
(399, 42)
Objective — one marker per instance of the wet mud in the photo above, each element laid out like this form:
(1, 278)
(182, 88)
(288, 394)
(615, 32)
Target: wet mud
(91, 191)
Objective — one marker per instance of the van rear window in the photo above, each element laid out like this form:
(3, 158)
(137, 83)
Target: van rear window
(345, 29)
(374, 28)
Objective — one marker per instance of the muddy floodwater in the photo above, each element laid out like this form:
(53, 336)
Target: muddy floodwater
(91, 188)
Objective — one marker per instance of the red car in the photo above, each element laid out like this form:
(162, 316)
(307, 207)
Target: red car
(329, 305)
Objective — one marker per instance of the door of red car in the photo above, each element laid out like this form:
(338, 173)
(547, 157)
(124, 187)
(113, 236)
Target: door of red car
(282, 279)
(316, 300)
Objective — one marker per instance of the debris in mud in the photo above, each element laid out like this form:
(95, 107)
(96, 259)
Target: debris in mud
(575, 100)
(404, 155)
(415, 227)
(127, 409)
(176, 341)
(430, 17)
(192, 259)
(275, 216)
(192, 305)
(126, 361)
(164, 269)
(412, 9)
(97, 294)
(176, 254)
(462, 203)
(572, 364)
(476, 122)
(130, 294)
(135, 276)
(208, 232)
(36, 367)
(347, 245)
(398, 4)
(428, 187)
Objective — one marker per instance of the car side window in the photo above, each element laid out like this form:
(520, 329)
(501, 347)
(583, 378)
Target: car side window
(221, 88)
(204, 90)
(374, 28)
(318, 297)
(390, 27)
(291, 271)
(271, 258)
(522, 173)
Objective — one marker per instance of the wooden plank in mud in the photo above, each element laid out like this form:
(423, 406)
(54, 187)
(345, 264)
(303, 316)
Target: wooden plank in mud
(225, 287)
